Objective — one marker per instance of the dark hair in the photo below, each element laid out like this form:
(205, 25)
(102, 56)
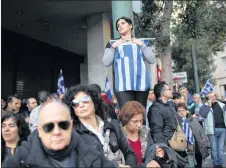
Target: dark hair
(129, 110)
(5, 100)
(28, 101)
(127, 19)
(43, 96)
(99, 105)
(96, 87)
(176, 95)
(158, 88)
(182, 105)
(54, 95)
(23, 130)
(10, 98)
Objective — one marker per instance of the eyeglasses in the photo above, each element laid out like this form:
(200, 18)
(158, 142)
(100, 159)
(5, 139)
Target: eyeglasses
(48, 127)
(84, 99)
(181, 111)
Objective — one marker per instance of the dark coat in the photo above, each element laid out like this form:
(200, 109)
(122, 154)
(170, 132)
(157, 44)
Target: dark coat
(176, 159)
(117, 140)
(32, 154)
(200, 137)
(162, 121)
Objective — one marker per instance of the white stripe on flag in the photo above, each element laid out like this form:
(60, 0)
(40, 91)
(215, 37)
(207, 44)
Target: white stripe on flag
(135, 65)
(143, 74)
(121, 51)
(127, 73)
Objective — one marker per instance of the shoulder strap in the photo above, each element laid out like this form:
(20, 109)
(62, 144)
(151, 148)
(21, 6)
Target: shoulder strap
(106, 139)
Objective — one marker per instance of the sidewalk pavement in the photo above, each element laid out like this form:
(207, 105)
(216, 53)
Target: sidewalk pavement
(208, 162)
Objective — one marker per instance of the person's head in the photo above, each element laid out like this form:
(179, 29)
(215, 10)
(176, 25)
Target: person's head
(124, 25)
(114, 99)
(44, 96)
(151, 95)
(184, 92)
(182, 100)
(96, 87)
(132, 116)
(176, 97)
(83, 100)
(54, 96)
(3, 103)
(14, 128)
(31, 103)
(13, 103)
(61, 97)
(211, 96)
(163, 91)
(182, 110)
(55, 125)
(196, 98)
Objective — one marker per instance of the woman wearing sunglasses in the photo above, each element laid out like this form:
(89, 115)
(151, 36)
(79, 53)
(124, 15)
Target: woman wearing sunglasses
(94, 126)
(14, 131)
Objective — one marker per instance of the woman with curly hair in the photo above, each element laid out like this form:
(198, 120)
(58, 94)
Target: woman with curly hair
(14, 131)
(92, 122)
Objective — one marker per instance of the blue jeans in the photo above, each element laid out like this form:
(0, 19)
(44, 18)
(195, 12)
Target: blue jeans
(217, 146)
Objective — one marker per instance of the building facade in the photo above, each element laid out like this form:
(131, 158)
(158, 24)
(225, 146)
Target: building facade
(42, 37)
(220, 73)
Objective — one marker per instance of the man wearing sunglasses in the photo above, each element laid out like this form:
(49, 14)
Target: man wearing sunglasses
(55, 144)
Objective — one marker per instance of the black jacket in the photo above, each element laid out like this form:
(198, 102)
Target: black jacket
(162, 121)
(117, 140)
(173, 158)
(32, 154)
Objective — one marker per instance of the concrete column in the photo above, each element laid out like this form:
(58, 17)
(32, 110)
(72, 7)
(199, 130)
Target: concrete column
(84, 72)
(98, 34)
(119, 9)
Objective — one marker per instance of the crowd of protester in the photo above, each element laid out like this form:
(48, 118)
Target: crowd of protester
(83, 128)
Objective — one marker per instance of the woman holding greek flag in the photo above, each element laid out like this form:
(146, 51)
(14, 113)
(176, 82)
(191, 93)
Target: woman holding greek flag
(128, 54)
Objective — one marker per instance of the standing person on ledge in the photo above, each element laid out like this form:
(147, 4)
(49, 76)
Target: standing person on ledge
(128, 54)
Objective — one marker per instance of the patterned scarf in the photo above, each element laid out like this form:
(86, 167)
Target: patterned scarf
(188, 132)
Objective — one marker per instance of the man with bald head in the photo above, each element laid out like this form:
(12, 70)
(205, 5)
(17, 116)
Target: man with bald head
(55, 144)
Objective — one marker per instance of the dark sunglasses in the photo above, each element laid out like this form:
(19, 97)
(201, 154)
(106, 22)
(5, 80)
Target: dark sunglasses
(48, 127)
(85, 99)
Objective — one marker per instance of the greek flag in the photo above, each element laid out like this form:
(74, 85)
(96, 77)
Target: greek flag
(208, 87)
(60, 84)
(187, 131)
(107, 89)
(130, 70)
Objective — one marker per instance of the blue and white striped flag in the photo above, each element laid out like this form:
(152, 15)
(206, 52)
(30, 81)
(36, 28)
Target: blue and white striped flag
(208, 87)
(107, 89)
(187, 131)
(60, 84)
(130, 70)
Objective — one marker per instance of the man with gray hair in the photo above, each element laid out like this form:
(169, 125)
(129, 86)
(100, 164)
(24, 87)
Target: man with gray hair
(43, 97)
(214, 114)
(198, 104)
(55, 144)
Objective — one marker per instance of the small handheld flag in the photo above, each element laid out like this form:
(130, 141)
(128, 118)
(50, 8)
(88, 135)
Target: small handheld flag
(107, 89)
(208, 87)
(60, 84)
